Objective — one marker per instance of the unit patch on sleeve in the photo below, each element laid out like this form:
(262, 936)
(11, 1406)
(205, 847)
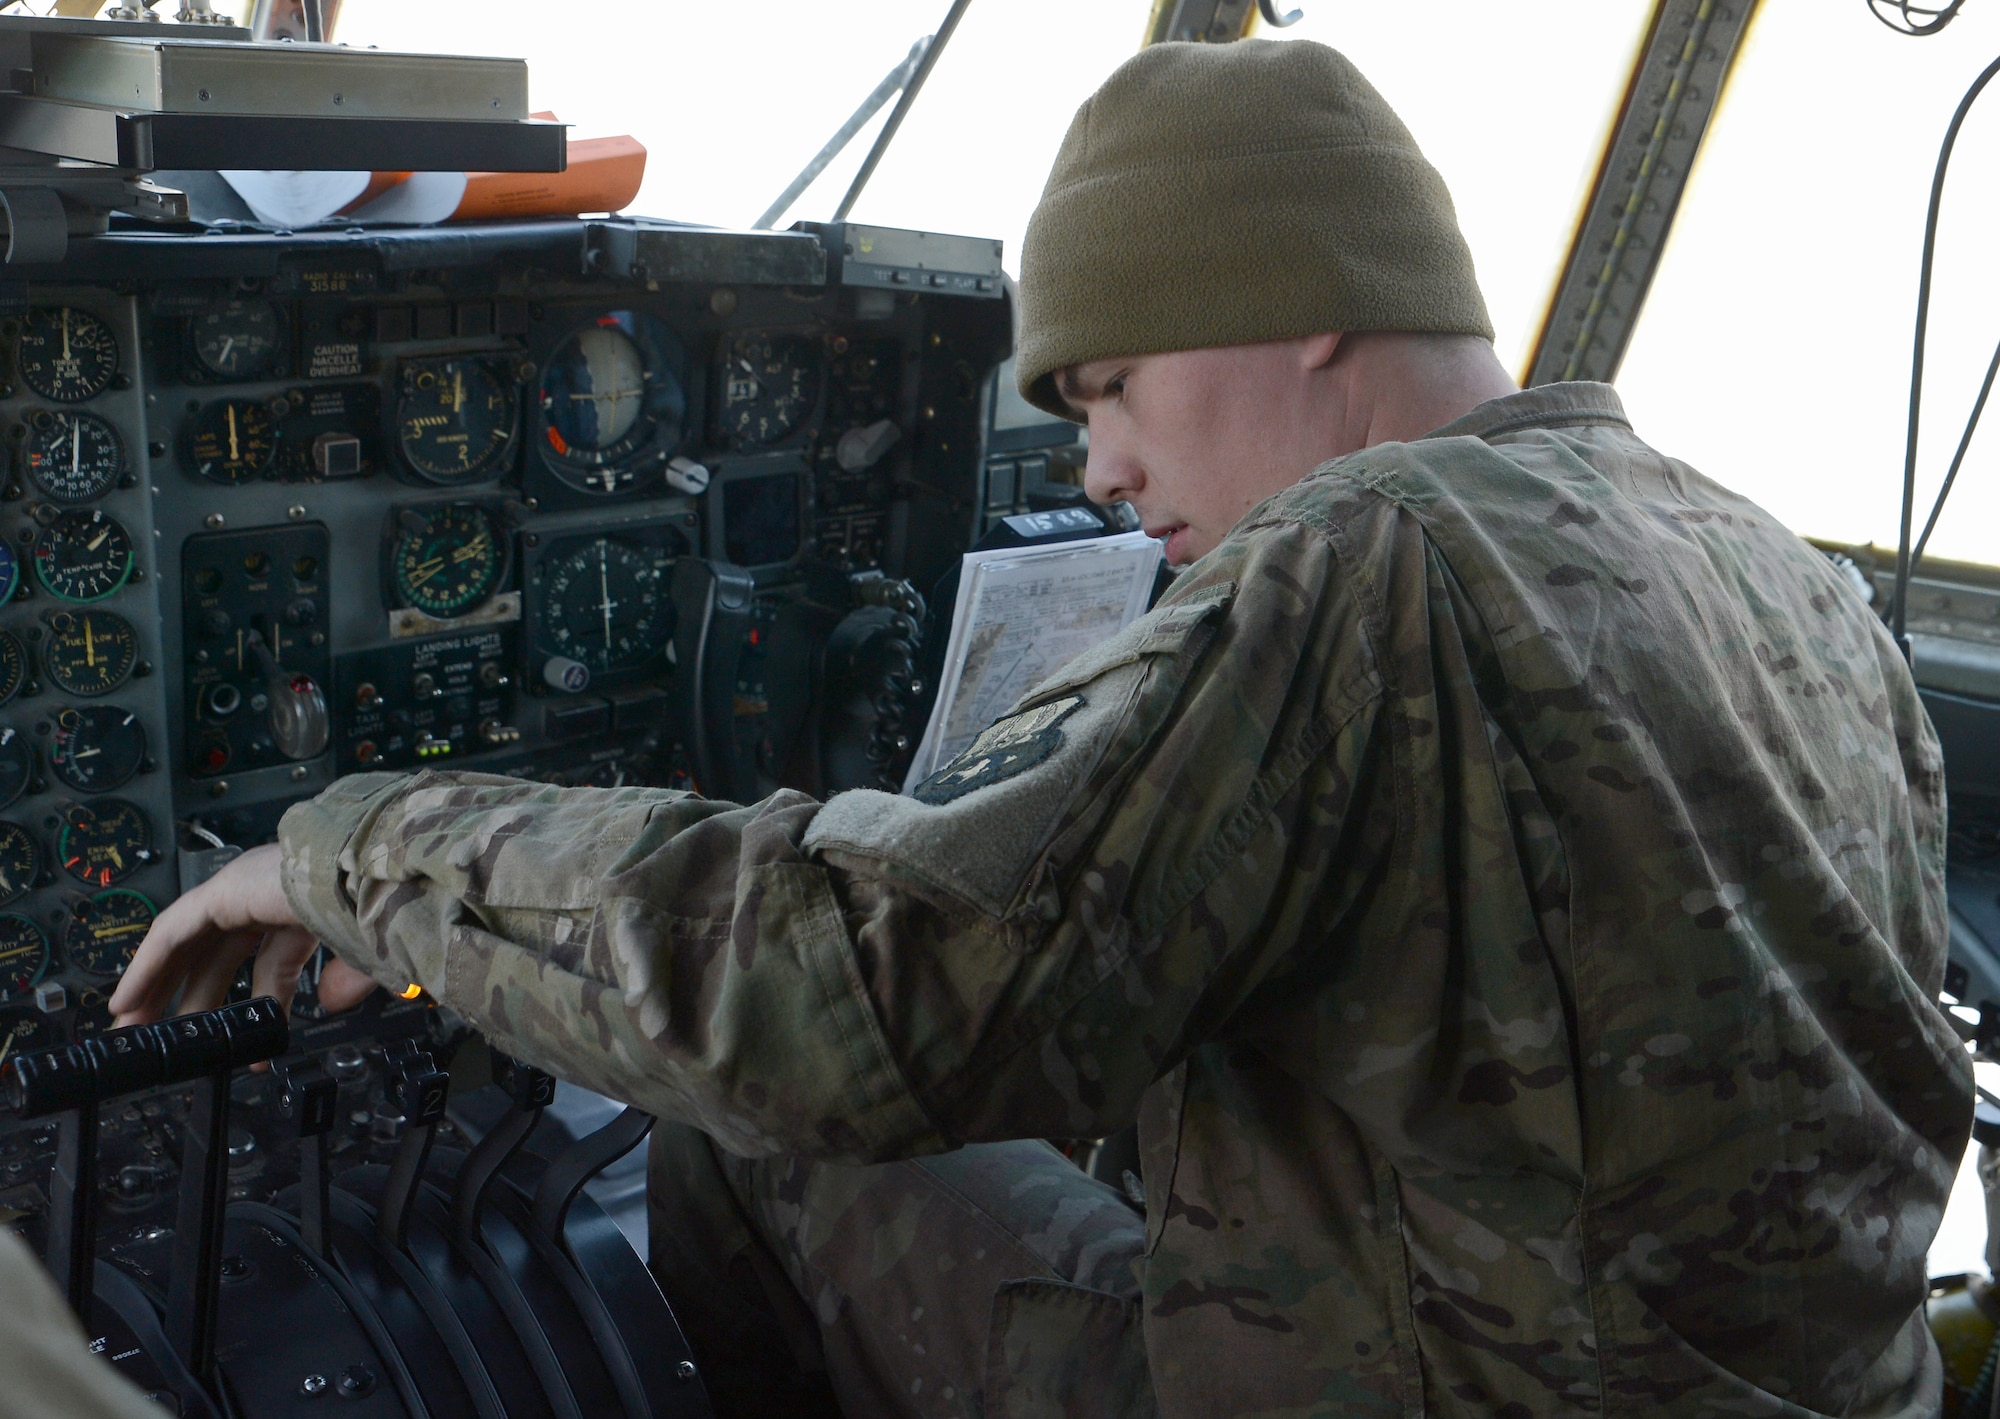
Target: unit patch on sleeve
(1008, 747)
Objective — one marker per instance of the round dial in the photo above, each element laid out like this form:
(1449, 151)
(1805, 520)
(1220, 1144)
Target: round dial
(22, 1029)
(10, 571)
(232, 441)
(105, 842)
(20, 861)
(454, 418)
(83, 555)
(17, 765)
(90, 652)
(13, 665)
(105, 929)
(612, 403)
(24, 956)
(236, 339)
(66, 354)
(606, 604)
(769, 386)
(73, 456)
(96, 747)
(446, 560)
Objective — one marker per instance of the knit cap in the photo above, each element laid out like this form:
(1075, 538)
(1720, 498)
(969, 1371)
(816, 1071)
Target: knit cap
(1224, 194)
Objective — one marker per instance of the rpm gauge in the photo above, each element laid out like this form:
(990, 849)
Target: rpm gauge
(90, 652)
(24, 958)
(96, 747)
(236, 339)
(66, 354)
(606, 604)
(73, 456)
(454, 418)
(233, 441)
(83, 555)
(612, 403)
(106, 929)
(446, 560)
(20, 862)
(770, 384)
(104, 842)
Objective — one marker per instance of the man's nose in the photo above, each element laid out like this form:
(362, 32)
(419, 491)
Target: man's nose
(1110, 473)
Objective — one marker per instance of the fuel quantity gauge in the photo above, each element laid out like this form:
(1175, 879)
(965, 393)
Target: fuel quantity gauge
(105, 929)
(73, 456)
(104, 842)
(233, 441)
(447, 560)
(24, 958)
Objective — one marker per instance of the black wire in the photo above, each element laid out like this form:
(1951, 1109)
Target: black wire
(1899, 15)
(1951, 475)
(1899, 605)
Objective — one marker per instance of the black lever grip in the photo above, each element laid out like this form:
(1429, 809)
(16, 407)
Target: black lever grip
(118, 1062)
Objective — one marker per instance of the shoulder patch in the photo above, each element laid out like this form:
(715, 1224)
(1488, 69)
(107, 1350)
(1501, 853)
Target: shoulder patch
(1005, 748)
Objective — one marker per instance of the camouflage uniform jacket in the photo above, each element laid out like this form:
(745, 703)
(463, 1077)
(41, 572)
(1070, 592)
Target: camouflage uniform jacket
(1504, 880)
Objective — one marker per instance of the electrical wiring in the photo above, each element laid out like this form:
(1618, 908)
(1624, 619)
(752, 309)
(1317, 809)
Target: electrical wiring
(1907, 17)
(1905, 562)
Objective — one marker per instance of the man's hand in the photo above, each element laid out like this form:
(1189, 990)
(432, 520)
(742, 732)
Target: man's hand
(197, 944)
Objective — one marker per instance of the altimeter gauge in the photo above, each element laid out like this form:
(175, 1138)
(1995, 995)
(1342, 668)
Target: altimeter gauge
(236, 339)
(104, 842)
(233, 441)
(96, 747)
(24, 958)
(446, 560)
(454, 418)
(83, 555)
(770, 384)
(90, 652)
(73, 456)
(606, 604)
(66, 354)
(105, 929)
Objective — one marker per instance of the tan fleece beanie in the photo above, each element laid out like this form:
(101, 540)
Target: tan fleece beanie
(1222, 194)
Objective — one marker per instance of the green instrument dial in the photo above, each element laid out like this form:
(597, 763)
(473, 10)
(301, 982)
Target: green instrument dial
(448, 560)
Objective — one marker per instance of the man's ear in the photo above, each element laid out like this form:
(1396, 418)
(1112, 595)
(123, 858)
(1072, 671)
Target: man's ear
(1317, 351)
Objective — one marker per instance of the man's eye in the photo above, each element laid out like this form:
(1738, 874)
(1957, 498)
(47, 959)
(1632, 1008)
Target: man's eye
(1116, 388)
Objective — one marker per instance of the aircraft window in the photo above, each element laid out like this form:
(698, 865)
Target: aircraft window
(1774, 350)
(1510, 101)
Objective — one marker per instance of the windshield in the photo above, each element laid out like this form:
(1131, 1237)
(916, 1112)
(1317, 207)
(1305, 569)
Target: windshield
(1774, 351)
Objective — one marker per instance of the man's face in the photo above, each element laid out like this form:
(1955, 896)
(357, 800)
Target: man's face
(1194, 439)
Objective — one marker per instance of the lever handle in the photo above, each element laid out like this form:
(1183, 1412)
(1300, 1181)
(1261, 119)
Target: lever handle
(311, 1095)
(531, 1090)
(300, 724)
(118, 1062)
(420, 1092)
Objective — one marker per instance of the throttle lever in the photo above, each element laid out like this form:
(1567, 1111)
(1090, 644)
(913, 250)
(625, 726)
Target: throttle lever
(530, 1091)
(72, 1240)
(419, 1091)
(311, 1095)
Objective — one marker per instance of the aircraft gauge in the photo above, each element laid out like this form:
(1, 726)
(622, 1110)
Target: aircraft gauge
(236, 339)
(84, 555)
(24, 957)
(73, 456)
(770, 384)
(454, 418)
(10, 571)
(105, 929)
(446, 560)
(606, 604)
(17, 765)
(90, 652)
(20, 862)
(13, 666)
(104, 842)
(612, 403)
(233, 441)
(66, 354)
(96, 747)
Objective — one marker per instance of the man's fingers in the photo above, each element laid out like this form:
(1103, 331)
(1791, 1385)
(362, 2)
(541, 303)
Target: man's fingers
(341, 987)
(238, 905)
(209, 978)
(285, 952)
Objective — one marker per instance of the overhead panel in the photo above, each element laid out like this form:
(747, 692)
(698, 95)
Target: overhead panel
(1622, 232)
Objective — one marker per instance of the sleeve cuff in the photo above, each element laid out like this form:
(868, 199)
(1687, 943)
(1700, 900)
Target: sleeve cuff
(316, 840)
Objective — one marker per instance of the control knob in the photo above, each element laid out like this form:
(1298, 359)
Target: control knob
(300, 724)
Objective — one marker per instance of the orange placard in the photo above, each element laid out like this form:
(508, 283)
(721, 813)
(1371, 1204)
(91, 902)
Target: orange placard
(603, 176)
